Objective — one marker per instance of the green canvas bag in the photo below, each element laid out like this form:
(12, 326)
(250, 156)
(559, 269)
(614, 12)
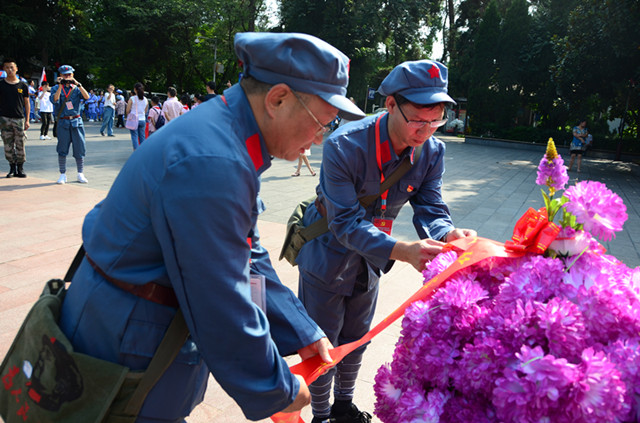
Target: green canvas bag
(45, 380)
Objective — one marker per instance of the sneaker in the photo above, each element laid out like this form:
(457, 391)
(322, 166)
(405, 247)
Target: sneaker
(42, 137)
(47, 137)
(82, 179)
(353, 415)
(102, 133)
(90, 120)
(62, 179)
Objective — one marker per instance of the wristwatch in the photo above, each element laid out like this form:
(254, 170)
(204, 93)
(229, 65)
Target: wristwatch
(79, 85)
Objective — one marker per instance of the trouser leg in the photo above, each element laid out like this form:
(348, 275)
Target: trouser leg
(344, 319)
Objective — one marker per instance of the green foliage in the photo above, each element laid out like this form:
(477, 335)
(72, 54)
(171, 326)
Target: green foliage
(376, 35)
(520, 63)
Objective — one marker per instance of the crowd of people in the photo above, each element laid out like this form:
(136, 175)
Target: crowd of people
(22, 104)
(98, 107)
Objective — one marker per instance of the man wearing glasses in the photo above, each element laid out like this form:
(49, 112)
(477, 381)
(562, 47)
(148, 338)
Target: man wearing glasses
(339, 270)
(179, 229)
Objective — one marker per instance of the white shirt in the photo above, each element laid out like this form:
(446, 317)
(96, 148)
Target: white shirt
(110, 100)
(140, 107)
(45, 102)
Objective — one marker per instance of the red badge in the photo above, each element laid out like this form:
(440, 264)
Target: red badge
(385, 225)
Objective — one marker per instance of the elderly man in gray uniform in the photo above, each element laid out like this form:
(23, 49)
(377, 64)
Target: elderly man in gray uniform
(340, 270)
(180, 224)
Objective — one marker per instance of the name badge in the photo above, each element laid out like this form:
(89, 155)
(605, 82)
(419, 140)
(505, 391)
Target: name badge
(258, 291)
(69, 105)
(385, 225)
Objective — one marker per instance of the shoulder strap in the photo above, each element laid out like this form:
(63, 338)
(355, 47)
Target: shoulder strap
(75, 264)
(321, 226)
(174, 338)
(404, 167)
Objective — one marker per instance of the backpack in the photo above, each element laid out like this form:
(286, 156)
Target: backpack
(160, 120)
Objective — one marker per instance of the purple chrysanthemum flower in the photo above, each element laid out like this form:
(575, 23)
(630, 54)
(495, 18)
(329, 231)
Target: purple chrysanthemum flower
(626, 356)
(462, 409)
(480, 365)
(416, 407)
(516, 325)
(535, 388)
(538, 278)
(564, 328)
(456, 307)
(438, 264)
(387, 395)
(599, 394)
(598, 209)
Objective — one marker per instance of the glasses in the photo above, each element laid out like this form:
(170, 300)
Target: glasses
(417, 124)
(323, 128)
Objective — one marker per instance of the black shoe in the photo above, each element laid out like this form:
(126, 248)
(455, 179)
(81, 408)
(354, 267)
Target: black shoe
(353, 415)
(322, 420)
(12, 170)
(19, 172)
(102, 133)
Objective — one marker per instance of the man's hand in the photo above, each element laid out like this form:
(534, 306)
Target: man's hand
(416, 253)
(321, 346)
(26, 123)
(459, 233)
(303, 398)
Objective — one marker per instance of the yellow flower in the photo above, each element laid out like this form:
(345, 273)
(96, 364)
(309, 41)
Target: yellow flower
(552, 153)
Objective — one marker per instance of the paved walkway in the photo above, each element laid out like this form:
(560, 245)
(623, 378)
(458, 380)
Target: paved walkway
(487, 189)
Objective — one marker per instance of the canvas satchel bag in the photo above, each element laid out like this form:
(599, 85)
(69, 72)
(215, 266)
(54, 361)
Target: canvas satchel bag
(45, 380)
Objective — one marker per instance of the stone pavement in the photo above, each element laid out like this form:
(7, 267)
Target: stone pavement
(487, 189)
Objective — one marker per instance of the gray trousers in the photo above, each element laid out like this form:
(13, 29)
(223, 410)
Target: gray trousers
(343, 319)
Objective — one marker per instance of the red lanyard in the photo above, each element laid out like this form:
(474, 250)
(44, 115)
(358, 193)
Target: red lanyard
(66, 95)
(383, 196)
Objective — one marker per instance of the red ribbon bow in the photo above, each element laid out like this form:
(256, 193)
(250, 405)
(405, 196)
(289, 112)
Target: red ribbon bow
(533, 233)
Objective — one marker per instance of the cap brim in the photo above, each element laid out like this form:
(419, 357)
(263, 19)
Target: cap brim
(346, 109)
(428, 97)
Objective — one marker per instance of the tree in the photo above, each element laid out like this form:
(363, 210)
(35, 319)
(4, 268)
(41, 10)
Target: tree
(43, 32)
(512, 64)
(375, 34)
(483, 101)
(598, 61)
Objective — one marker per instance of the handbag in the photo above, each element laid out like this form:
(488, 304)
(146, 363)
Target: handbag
(45, 380)
(297, 234)
(132, 117)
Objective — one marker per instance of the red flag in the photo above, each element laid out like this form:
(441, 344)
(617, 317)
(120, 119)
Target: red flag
(43, 77)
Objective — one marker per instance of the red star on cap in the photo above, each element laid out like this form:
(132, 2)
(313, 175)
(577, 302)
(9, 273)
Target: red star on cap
(434, 72)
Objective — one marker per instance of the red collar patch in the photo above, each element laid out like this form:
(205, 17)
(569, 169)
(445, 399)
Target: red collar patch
(255, 150)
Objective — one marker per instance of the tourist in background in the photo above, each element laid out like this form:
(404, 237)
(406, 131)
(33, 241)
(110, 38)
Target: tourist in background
(109, 111)
(46, 108)
(138, 104)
